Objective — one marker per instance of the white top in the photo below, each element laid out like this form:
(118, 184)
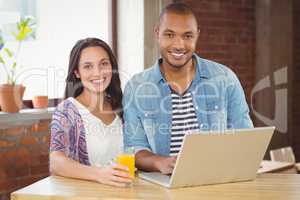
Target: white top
(104, 142)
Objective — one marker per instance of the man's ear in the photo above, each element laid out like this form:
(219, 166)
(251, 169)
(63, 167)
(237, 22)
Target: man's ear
(198, 33)
(156, 31)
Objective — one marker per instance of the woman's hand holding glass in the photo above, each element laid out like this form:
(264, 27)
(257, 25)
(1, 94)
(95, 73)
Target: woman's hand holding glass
(115, 175)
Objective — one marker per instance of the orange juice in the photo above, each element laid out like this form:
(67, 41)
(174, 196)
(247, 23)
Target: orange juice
(127, 160)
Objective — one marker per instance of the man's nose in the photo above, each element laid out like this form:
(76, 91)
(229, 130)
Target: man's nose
(178, 43)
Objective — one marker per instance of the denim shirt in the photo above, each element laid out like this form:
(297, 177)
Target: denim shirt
(218, 99)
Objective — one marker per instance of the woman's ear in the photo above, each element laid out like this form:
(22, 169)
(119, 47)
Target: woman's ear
(76, 73)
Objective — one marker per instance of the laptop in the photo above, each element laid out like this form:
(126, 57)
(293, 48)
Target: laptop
(216, 157)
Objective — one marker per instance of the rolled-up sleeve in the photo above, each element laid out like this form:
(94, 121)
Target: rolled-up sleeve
(134, 133)
(238, 110)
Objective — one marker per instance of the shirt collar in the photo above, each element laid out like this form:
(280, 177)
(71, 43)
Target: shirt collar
(201, 70)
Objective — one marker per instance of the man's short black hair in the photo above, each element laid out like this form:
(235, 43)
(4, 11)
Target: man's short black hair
(177, 8)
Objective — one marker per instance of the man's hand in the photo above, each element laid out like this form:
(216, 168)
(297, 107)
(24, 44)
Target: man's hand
(148, 161)
(166, 164)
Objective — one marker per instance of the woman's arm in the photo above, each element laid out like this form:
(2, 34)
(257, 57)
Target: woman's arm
(61, 164)
(116, 175)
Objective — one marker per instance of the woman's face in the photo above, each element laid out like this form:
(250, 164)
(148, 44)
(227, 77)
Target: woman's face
(94, 69)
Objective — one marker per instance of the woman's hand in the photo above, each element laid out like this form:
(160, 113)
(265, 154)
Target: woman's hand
(115, 175)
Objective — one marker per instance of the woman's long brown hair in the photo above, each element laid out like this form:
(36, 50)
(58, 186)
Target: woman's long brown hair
(74, 86)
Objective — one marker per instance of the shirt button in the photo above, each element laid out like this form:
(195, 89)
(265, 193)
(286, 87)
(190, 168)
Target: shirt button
(216, 107)
(146, 115)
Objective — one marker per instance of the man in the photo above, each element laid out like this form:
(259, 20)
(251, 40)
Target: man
(180, 94)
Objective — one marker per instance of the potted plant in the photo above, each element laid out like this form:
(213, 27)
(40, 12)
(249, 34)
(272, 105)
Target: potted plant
(11, 93)
(40, 102)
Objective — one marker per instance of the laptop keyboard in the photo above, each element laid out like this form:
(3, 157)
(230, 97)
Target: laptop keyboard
(156, 177)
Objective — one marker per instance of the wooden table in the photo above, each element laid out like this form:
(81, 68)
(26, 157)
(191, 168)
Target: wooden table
(265, 187)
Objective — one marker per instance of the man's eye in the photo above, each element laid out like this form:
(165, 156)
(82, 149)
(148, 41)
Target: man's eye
(169, 35)
(188, 37)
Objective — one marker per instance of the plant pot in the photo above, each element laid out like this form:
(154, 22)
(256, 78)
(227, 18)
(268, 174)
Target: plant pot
(11, 97)
(40, 101)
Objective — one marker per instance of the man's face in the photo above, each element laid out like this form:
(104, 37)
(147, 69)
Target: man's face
(177, 38)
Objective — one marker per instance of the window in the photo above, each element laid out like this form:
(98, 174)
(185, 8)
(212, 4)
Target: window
(60, 23)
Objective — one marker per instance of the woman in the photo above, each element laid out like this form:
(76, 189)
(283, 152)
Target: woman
(86, 129)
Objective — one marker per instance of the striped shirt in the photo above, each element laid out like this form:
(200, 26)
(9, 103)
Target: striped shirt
(184, 120)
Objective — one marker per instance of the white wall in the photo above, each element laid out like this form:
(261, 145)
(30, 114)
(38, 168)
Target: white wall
(130, 38)
(60, 24)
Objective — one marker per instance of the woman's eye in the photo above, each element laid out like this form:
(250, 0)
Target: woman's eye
(106, 63)
(87, 66)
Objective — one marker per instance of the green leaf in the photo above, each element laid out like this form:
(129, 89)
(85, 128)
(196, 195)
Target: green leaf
(8, 52)
(1, 60)
(14, 66)
(24, 29)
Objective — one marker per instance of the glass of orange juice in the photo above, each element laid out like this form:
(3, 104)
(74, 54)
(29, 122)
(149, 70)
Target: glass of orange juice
(127, 158)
